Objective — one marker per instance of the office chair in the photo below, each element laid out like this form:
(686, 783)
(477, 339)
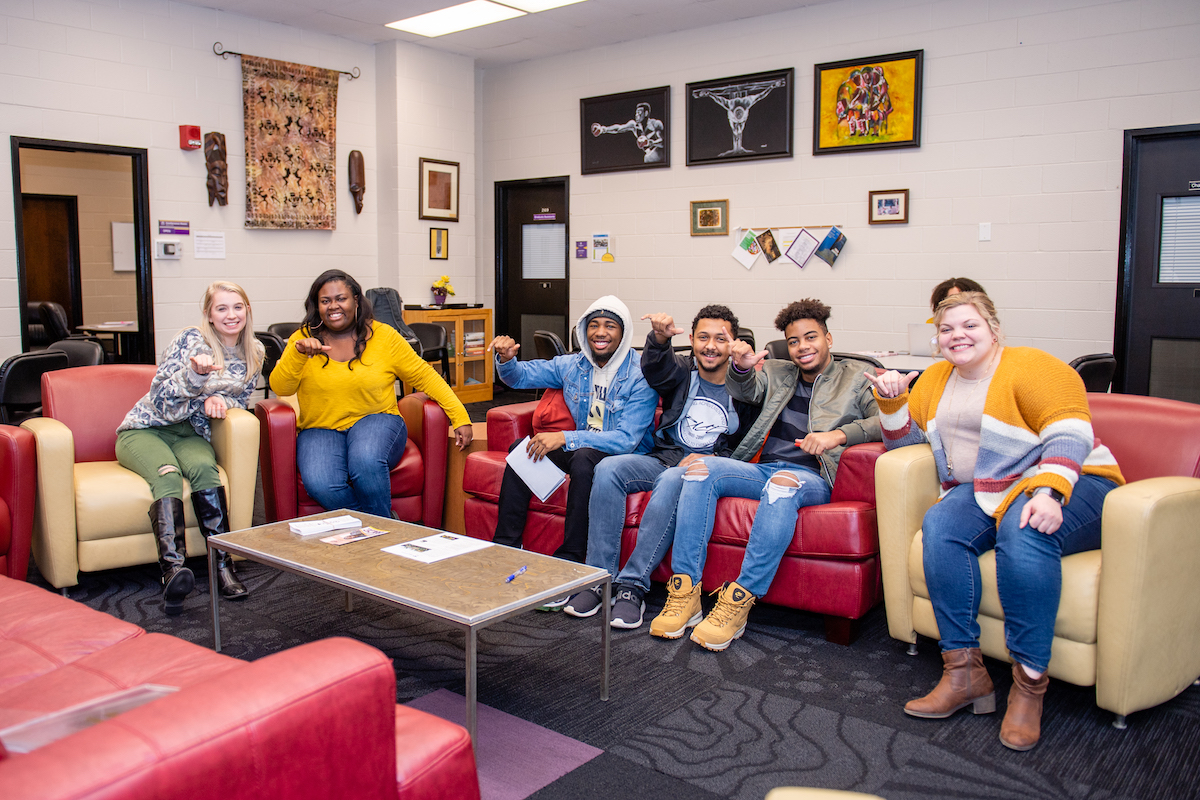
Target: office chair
(1096, 370)
(54, 320)
(777, 348)
(35, 329)
(858, 357)
(80, 352)
(21, 383)
(547, 345)
(272, 351)
(283, 330)
(747, 336)
(435, 344)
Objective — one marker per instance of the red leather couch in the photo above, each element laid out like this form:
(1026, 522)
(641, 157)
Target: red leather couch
(418, 481)
(18, 483)
(316, 721)
(830, 568)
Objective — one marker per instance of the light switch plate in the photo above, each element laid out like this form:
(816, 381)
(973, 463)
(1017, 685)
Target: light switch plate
(985, 231)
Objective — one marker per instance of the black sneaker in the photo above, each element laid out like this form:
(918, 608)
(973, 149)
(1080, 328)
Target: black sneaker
(628, 608)
(556, 604)
(585, 603)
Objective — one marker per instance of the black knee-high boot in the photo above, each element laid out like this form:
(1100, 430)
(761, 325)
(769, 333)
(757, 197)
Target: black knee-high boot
(166, 518)
(212, 514)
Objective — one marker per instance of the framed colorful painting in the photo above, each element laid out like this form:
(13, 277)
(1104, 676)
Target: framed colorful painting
(438, 189)
(868, 103)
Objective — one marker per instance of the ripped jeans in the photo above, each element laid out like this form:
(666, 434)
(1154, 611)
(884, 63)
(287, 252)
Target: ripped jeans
(774, 522)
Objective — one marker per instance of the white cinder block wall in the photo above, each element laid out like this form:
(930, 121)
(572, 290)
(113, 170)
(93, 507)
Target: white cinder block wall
(1025, 106)
(129, 74)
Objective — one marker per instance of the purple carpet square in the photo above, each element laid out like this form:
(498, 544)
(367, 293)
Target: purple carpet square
(515, 758)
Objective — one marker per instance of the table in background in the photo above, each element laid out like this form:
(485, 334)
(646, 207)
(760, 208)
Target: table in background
(122, 332)
(906, 363)
(468, 591)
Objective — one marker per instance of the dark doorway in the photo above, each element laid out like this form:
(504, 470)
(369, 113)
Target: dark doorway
(1157, 337)
(51, 235)
(532, 263)
(139, 344)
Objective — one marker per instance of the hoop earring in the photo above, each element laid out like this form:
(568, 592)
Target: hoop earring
(312, 328)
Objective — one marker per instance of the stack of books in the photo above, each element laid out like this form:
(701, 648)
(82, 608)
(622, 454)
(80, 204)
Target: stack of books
(473, 344)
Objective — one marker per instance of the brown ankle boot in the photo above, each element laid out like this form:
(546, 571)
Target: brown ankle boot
(964, 682)
(1022, 726)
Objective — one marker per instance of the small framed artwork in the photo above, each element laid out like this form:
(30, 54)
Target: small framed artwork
(631, 130)
(868, 103)
(740, 118)
(439, 242)
(889, 207)
(438, 186)
(710, 218)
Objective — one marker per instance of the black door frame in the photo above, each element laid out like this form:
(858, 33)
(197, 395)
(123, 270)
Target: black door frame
(501, 202)
(1129, 176)
(144, 340)
(74, 314)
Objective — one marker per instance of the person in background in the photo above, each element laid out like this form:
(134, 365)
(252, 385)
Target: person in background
(204, 372)
(812, 408)
(951, 286)
(610, 403)
(698, 419)
(1021, 473)
(343, 366)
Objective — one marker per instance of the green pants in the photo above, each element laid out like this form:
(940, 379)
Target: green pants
(165, 455)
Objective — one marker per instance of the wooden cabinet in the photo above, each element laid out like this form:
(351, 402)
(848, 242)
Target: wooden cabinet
(470, 332)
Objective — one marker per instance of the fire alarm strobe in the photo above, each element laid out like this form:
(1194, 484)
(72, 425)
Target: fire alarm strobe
(189, 137)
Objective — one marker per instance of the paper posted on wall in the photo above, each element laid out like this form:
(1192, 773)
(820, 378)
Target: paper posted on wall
(746, 250)
(802, 248)
(437, 547)
(831, 248)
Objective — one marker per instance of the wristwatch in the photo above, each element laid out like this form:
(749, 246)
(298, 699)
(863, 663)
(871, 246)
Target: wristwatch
(1055, 494)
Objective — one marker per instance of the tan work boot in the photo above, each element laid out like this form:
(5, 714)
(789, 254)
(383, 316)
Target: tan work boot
(965, 681)
(727, 620)
(1022, 726)
(681, 611)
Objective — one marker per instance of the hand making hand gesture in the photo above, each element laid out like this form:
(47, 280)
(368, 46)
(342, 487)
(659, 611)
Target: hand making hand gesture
(743, 355)
(311, 347)
(891, 383)
(504, 346)
(664, 327)
(202, 364)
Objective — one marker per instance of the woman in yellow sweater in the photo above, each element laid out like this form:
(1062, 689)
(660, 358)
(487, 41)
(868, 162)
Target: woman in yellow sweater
(1022, 474)
(343, 367)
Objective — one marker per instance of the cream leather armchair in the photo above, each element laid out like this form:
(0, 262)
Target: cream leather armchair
(1129, 614)
(91, 513)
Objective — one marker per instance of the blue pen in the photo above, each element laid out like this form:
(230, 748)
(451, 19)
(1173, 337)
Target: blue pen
(513, 577)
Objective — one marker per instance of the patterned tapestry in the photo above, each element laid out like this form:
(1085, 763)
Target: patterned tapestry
(291, 137)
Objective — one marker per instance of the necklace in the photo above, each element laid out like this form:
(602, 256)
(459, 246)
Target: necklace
(967, 404)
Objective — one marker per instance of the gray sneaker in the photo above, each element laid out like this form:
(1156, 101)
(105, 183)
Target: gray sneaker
(585, 603)
(628, 608)
(556, 604)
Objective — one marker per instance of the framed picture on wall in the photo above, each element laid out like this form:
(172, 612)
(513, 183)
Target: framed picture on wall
(868, 103)
(439, 242)
(889, 207)
(710, 217)
(741, 118)
(625, 131)
(438, 187)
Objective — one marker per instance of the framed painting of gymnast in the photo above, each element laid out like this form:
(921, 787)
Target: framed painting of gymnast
(740, 118)
(625, 131)
(438, 186)
(868, 103)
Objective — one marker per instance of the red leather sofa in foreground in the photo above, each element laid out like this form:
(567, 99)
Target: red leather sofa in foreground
(418, 481)
(314, 722)
(830, 568)
(18, 483)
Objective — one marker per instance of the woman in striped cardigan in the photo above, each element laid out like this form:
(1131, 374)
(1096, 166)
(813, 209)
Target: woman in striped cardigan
(1021, 473)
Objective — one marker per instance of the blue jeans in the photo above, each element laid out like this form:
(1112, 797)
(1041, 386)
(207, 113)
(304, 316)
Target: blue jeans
(774, 522)
(1028, 566)
(350, 469)
(616, 478)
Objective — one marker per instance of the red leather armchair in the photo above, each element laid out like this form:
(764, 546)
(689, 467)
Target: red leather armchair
(830, 568)
(418, 481)
(18, 483)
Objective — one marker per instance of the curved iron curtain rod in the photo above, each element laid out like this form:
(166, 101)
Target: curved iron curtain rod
(219, 50)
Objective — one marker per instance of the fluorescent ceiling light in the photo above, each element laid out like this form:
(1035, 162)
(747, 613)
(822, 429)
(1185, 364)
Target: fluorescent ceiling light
(456, 18)
(534, 6)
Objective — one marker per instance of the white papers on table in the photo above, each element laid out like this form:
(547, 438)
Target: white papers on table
(437, 547)
(311, 527)
(542, 477)
(340, 539)
(802, 248)
(746, 250)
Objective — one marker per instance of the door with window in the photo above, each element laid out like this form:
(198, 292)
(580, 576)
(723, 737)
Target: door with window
(532, 267)
(1157, 338)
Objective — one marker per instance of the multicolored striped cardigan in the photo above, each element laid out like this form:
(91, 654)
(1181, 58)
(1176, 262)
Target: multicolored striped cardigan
(1036, 428)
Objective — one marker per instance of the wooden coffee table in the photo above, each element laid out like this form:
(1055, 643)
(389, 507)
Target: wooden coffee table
(468, 591)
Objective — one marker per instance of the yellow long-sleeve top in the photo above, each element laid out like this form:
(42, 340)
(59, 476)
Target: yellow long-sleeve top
(336, 394)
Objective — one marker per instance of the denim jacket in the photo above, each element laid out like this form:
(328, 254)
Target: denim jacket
(628, 409)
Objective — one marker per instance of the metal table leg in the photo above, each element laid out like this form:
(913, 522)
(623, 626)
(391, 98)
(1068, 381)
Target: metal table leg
(215, 597)
(606, 621)
(470, 691)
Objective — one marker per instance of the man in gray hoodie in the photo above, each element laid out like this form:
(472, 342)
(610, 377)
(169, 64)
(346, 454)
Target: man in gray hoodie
(610, 402)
